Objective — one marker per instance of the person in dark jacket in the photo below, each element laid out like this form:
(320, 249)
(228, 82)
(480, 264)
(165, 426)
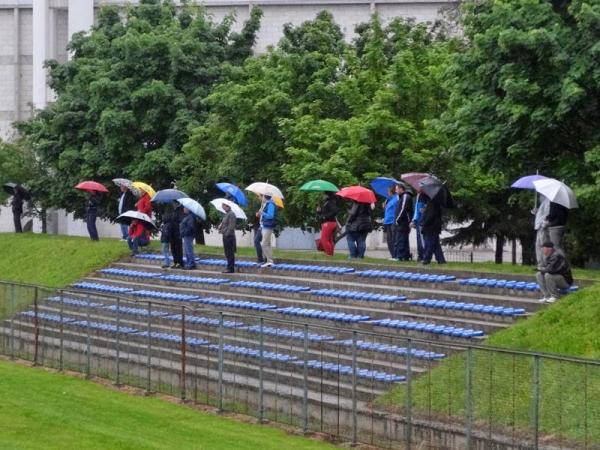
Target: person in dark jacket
(403, 216)
(389, 214)
(358, 226)
(431, 228)
(187, 230)
(126, 203)
(420, 204)
(165, 240)
(327, 213)
(556, 224)
(174, 219)
(227, 229)
(554, 274)
(137, 236)
(17, 209)
(91, 212)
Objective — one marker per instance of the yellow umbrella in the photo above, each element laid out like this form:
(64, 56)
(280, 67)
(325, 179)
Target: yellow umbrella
(278, 201)
(144, 187)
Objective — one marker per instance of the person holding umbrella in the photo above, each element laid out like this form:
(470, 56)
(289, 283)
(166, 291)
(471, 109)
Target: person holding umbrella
(91, 213)
(137, 236)
(187, 230)
(389, 210)
(420, 204)
(327, 213)
(267, 215)
(431, 227)
(126, 203)
(403, 217)
(227, 229)
(17, 208)
(358, 226)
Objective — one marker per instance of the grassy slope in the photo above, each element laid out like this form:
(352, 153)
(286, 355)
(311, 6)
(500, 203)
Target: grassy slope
(63, 412)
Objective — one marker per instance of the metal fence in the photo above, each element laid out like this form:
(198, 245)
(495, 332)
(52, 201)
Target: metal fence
(346, 382)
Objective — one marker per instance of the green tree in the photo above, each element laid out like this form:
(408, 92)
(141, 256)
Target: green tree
(129, 95)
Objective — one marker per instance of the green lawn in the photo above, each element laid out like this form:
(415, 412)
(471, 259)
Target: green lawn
(47, 410)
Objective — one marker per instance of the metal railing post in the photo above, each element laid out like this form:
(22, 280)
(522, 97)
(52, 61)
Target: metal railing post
(88, 359)
(61, 362)
(354, 393)
(409, 394)
(468, 398)
(261, 405)
(305, 382)
(220, 382)
(149, 351)
(118, 343)
(36, 324)
(12, 321)
(183, 355)
(535, 398)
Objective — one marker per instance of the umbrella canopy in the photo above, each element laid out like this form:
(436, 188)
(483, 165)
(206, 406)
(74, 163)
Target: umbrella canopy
(436, 190)
(218, 204)
(319, 186)
(91, 186)
(168, 195)
(16, 188)
(128, 184)
(413, 178)
(358, 194)
(381, 185)
(193, 206)
(234, 192)
(128, 216)
(557, 192)
(265, 189)
(141, 186)
(526, 182)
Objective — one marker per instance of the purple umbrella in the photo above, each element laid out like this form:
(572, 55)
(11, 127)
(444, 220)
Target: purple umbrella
(527, 181)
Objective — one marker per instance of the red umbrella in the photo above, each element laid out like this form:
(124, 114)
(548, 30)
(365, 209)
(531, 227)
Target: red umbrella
(91, 186)
(413, 178)
(358, 194)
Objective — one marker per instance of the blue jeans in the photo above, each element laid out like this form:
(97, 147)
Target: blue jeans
(136, 243)
(124, 230)
(165, 252)
(188, 250)
(257, 245)
(420, 244)
(433, 247)
(357, 243)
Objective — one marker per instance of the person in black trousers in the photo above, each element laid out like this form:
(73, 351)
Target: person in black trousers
(126, 203)
(174, 219)
(403, 216)
(91, 214)
(431, 228)
(227, 229)
(358, 226)
(17, 209)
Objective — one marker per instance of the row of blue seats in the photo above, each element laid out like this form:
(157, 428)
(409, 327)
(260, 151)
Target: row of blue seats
(200, 320)
(75, 302)
(190, 279)
(223, 263)
(47, 317)
(158, 275)
(252, 352)
(347, 370)
(393, 349)
(129, 273)
(270, 286)
(472, 307)
(313, 268)
(163, 295)
(176, 338)
(241, 304)
(410, 276)
(102, 326)
(282, 332)
(428, 328)
(142, 312)
(102, 287)
(316, 314)
(508, 284)
(157, 257)
(356, 295)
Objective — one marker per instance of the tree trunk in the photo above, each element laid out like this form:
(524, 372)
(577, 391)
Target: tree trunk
(499, 249)
(528, 249)
(514, 251)
(44, 219)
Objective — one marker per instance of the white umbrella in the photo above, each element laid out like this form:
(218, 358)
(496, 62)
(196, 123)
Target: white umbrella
(218, 203)
(128, 216)
(193, 206)
(128, 184)
(557, 192)
(265, 189)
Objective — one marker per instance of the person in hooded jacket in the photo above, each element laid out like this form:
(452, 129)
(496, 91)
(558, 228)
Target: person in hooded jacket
(358, 226)
(144, 204)
(91, 212)
(431, 227)
(174, 218)
(403, 217)
(327, 213)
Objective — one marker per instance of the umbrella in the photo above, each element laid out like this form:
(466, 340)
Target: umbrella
(358, 194)
(239, 212)
(527, 181)
(234, 191)
(168, 195)
(437, 190)
(319, 186)
(381, 185)
(140, 185)
(91, 186)
(13, 188)
(193, 206)
(128, 216)
(128, 184)
(265, 189)
(413, 178)
(557, 192)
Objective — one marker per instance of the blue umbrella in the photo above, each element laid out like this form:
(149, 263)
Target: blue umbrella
(235, 192)
(193, 206)
(381, 185)
(168, 195)
(526, 182)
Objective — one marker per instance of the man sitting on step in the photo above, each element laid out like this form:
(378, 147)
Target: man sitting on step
(553, 274)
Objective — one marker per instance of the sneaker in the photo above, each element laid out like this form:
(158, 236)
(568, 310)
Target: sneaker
(542, 300)
(267, 264)
(392, 259)
(551, 299)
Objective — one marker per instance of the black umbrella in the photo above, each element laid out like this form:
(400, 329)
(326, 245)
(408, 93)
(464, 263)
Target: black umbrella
(128, 216)
(16, 189)
(437, 191)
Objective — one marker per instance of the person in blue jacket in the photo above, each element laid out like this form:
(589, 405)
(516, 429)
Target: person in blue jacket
(187, 230)
(420, 204)
(388, 220)
(267, 214)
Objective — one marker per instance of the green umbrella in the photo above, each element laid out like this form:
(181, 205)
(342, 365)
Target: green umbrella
(319, 186)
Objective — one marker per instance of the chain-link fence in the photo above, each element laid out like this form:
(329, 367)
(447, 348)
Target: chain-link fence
(393, 391)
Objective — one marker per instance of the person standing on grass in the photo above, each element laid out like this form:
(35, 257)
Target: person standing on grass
(327, 213)
(91, 212)
(187, 230)
(554, 274)
(431, 226)
(227, 229)
(388, 221)
(403, 216)
(165, 240)
(138, 236)
(126, 203)
(17, 209)
(420, 204)
(358, 226)
(175, 218)
(268, 217)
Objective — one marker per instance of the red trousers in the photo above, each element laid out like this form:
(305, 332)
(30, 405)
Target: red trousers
(326, 241)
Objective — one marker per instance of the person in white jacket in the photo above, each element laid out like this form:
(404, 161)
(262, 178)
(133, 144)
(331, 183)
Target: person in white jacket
(540, 227)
